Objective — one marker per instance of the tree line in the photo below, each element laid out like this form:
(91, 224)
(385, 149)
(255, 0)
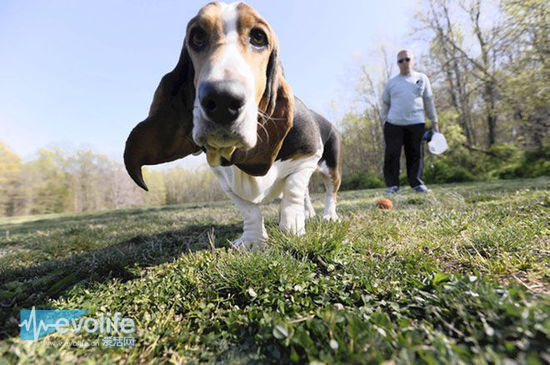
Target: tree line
(489, 66)
(56, 181)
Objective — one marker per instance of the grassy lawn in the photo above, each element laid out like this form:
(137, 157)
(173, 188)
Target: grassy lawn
(459, 275)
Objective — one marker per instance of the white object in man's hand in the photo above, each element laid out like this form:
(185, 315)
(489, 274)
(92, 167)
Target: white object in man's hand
(438, 144)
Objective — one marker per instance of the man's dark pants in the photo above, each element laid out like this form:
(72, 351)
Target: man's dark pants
(409, 136)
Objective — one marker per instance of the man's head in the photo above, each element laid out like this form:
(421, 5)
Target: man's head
(405, 61)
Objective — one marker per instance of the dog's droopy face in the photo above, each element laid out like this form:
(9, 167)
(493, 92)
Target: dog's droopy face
(226, 95)
(230, 47)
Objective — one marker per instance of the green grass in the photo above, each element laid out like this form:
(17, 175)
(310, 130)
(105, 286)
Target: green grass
(459, 275)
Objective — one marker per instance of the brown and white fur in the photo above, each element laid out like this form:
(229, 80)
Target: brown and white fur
(227, 97)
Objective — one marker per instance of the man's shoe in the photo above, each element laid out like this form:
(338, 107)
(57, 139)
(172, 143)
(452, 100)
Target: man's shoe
(421, 189)
(392, 190)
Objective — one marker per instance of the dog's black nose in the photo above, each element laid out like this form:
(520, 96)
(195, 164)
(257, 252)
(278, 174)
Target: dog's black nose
(222, 101)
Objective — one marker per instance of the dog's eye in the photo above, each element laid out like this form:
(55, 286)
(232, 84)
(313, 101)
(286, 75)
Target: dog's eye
(198, 39)
(258, 38)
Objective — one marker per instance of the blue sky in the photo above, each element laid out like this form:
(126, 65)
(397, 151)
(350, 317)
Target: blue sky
(81, 74)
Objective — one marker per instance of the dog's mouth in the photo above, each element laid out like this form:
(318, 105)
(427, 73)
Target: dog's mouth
(223, 144)
(214, 156)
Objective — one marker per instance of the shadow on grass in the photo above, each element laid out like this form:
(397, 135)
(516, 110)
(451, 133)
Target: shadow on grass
(52, 221)
(36, 285)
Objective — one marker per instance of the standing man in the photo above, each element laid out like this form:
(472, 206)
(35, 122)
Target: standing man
(405, 99)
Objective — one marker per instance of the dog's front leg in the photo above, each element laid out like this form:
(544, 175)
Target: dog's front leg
(292, 204)
(254, 233)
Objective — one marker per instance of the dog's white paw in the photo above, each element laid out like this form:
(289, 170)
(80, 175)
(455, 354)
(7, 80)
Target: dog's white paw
(331, 217)
(295, 226)
(243, 244)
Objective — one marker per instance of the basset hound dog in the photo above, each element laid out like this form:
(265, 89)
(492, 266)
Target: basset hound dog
(227, 97)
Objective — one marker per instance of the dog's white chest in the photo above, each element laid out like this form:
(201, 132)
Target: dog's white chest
(254, 189)
(258, 189)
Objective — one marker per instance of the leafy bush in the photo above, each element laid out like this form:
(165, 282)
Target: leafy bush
(500, 162)
(458, 164)
(445, 171)
(361, 180)
(535, 162)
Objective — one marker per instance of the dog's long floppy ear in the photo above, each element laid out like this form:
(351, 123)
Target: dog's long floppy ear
(166, 133)
(274, 121)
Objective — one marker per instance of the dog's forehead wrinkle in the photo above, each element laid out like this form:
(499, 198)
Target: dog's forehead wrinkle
(229, 14)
